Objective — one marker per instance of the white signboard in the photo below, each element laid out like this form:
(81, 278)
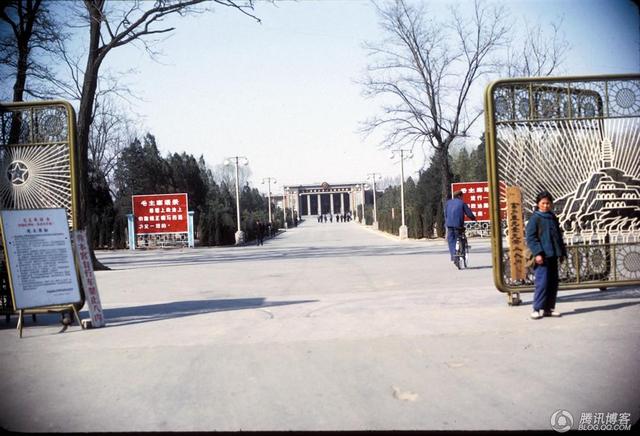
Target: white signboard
(88, 277)
(39, 258)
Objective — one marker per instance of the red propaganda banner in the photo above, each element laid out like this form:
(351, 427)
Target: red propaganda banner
(476, 195)
(160, 213)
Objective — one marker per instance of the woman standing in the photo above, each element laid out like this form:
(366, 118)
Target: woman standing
(544, 239)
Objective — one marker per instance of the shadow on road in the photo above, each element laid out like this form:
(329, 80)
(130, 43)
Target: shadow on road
(609, 294)
(156, 312)
(627, 292)
(253, 253)
(580, 311)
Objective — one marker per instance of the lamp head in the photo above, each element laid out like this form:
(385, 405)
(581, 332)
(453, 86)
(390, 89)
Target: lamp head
(226, 162)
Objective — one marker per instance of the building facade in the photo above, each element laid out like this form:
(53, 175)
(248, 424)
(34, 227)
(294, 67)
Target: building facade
(324, 198)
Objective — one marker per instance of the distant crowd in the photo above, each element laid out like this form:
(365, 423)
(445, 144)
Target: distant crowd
(344, 218)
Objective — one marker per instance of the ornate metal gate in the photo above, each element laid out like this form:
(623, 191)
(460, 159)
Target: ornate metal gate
(579, 139)
(37, 144)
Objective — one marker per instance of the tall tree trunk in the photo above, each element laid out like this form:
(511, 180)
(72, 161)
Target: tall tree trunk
(21, 72)
(442, 154)
(85, 117)
(23, 36)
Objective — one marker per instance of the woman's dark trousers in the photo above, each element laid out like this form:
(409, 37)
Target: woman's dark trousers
(546, 280)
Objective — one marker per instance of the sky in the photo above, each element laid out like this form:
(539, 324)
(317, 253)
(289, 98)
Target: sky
(284, 93)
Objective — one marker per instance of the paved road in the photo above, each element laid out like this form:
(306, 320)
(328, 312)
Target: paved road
(327, 327)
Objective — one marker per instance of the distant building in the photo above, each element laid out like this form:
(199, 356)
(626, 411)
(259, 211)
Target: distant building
(324, 198)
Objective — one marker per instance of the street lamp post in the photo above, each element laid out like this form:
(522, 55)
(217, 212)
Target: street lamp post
(403, 231)
(285, 198)
(372, 177)
(364, 221)
(268, 180)
(357, 215)
(237, 160)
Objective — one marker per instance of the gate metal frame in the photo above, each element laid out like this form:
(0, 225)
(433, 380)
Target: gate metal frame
(559, 105)
(40, 127)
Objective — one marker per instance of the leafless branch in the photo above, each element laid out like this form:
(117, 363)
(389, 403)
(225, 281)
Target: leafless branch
(429, 67)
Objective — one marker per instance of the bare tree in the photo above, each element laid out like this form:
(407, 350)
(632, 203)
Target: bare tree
(537, 52)
(126, 23)
(227, 174)
(33, 35)
(425, 70)
(112, 131)
(387, 181)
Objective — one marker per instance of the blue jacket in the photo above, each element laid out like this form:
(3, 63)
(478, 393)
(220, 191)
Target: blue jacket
(544, 235)
(454, 213)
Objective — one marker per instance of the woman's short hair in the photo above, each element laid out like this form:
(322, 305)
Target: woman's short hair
(544, 194)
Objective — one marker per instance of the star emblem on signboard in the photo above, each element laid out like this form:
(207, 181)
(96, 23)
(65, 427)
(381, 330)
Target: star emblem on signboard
(18, 172)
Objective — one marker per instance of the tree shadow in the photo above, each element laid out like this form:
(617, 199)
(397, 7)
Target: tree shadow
(122, 316)
(155, 312)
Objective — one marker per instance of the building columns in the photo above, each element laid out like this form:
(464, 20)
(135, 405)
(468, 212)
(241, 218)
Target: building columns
(308, 205)
(354, 205)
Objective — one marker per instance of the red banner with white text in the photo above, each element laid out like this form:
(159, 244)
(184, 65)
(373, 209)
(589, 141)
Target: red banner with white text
(476, 195)
(160, 213)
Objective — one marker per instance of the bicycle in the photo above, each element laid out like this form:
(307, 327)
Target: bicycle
(462, 249)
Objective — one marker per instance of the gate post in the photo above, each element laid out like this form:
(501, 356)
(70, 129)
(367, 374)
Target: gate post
(190, 241)
(132, 231)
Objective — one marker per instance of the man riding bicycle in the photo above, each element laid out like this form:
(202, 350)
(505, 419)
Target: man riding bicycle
(454, 213)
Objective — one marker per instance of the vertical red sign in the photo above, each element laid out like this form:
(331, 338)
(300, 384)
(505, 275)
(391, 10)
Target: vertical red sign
(476, 195)
(160, 213)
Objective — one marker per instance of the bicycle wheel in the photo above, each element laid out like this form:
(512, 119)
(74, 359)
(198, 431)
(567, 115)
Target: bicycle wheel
(458, 258)
(466, 255)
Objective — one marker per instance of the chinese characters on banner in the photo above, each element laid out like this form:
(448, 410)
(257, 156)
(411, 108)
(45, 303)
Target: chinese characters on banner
(515, 224)
(88, 278)
(160, 213)
(476, 195)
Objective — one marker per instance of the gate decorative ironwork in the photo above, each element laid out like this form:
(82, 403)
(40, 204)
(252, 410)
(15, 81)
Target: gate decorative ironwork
(37, 148)
(579, 139)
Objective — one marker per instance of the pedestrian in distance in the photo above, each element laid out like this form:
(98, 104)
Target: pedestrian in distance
(325, 218)
(454, 213)
(260, 232)
(330, 218)
(544, 239)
